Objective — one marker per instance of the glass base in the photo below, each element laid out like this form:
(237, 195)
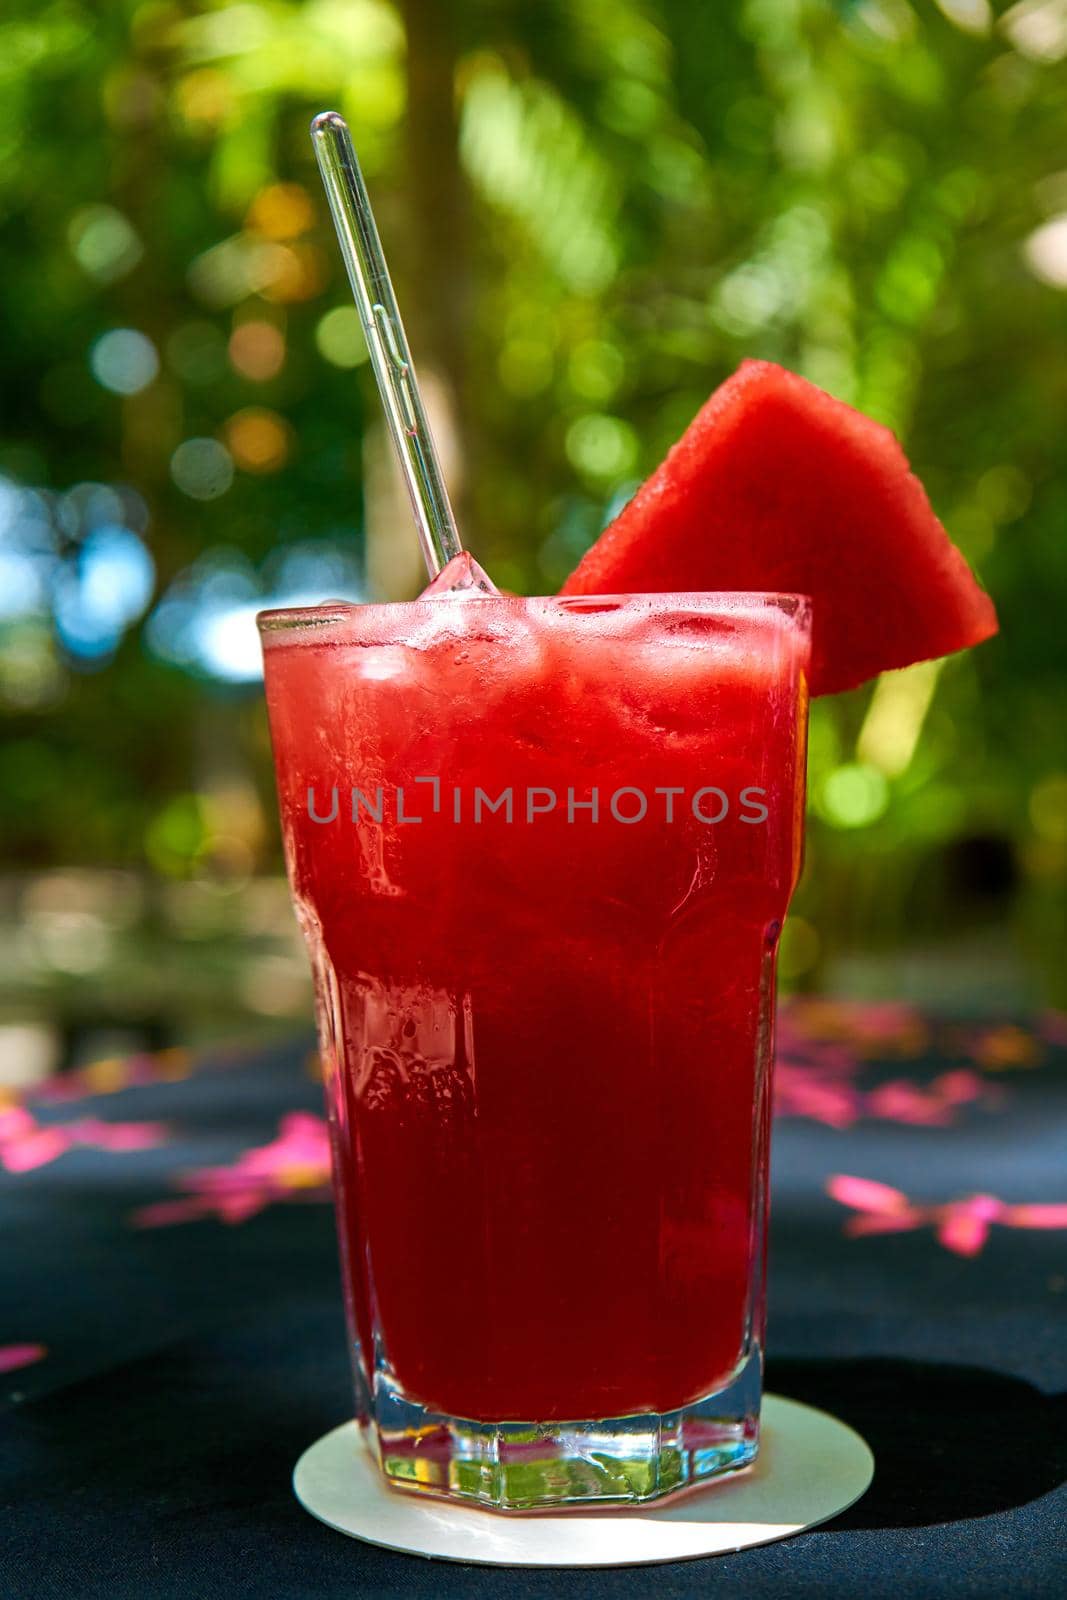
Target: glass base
(524, 1466)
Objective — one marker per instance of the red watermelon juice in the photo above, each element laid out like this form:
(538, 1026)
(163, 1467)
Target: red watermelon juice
(541, 851)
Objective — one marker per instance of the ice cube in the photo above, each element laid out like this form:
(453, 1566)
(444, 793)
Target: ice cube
(460, 576)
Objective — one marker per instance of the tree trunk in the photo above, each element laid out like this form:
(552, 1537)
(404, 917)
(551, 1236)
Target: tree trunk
(439, 274)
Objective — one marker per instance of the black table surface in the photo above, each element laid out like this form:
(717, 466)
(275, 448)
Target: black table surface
(171, 1335)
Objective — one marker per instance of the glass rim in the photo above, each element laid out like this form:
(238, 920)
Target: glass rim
(290, 619)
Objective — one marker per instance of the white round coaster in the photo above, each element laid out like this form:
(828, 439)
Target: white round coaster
(809, 1468)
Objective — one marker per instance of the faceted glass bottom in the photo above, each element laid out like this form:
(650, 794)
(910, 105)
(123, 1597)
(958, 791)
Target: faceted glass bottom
(517, 1466)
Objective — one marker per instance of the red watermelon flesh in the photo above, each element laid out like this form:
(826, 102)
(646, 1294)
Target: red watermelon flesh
(776, 486)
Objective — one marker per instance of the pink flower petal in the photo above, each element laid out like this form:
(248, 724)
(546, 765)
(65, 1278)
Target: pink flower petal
(858, 1227)
(303, 1123)
(15, 1121)
(799, 1093)
(211, 1181)
(1035, 1216)
(304, 1142)
(863, 1194)
(295, 1165)
(57, 1090)
(305, 1136)
(899, 1101)
(239, 1207)
(34, 1150)
(133, 1136)
(985, 1207)
(13, 1356)
(959, 1087)
(165, 1212)
(263, 1165)
(962, 1232)
(117, 1136)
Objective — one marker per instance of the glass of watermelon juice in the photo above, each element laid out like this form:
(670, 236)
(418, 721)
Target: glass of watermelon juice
(541, 850)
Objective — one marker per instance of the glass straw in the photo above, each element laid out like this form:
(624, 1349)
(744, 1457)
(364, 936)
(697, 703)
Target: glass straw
(389, 354)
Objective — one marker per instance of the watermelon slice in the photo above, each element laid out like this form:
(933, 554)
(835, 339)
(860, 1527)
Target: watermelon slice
(777, 486)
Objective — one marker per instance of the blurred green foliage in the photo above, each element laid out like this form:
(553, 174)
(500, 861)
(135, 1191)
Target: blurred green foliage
(595, 209)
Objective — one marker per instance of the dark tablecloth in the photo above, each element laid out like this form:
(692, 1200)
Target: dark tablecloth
(171, 1335)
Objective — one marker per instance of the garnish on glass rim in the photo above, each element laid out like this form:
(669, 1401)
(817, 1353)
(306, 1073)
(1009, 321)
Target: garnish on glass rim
(776, 485)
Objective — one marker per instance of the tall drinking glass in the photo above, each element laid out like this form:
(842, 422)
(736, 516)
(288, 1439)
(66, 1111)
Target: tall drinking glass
(541, 850)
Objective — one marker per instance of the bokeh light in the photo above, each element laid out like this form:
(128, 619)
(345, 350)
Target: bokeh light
(340, 337)
(205, 97)
(292, 272)
(1046, 252)
(1037, 29)
(206, 621)
(595, 370)
(102, 591)
(124, 361)
(973, 16)
(202, 468)
(104, 242)
(247, 263)
(23, 584)
(117, 575)
(176, 833)
(258, 440)
(257, 350)
(602, 446)
(28, 554)
(79, 560)
(853, 796)
(281, 211)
